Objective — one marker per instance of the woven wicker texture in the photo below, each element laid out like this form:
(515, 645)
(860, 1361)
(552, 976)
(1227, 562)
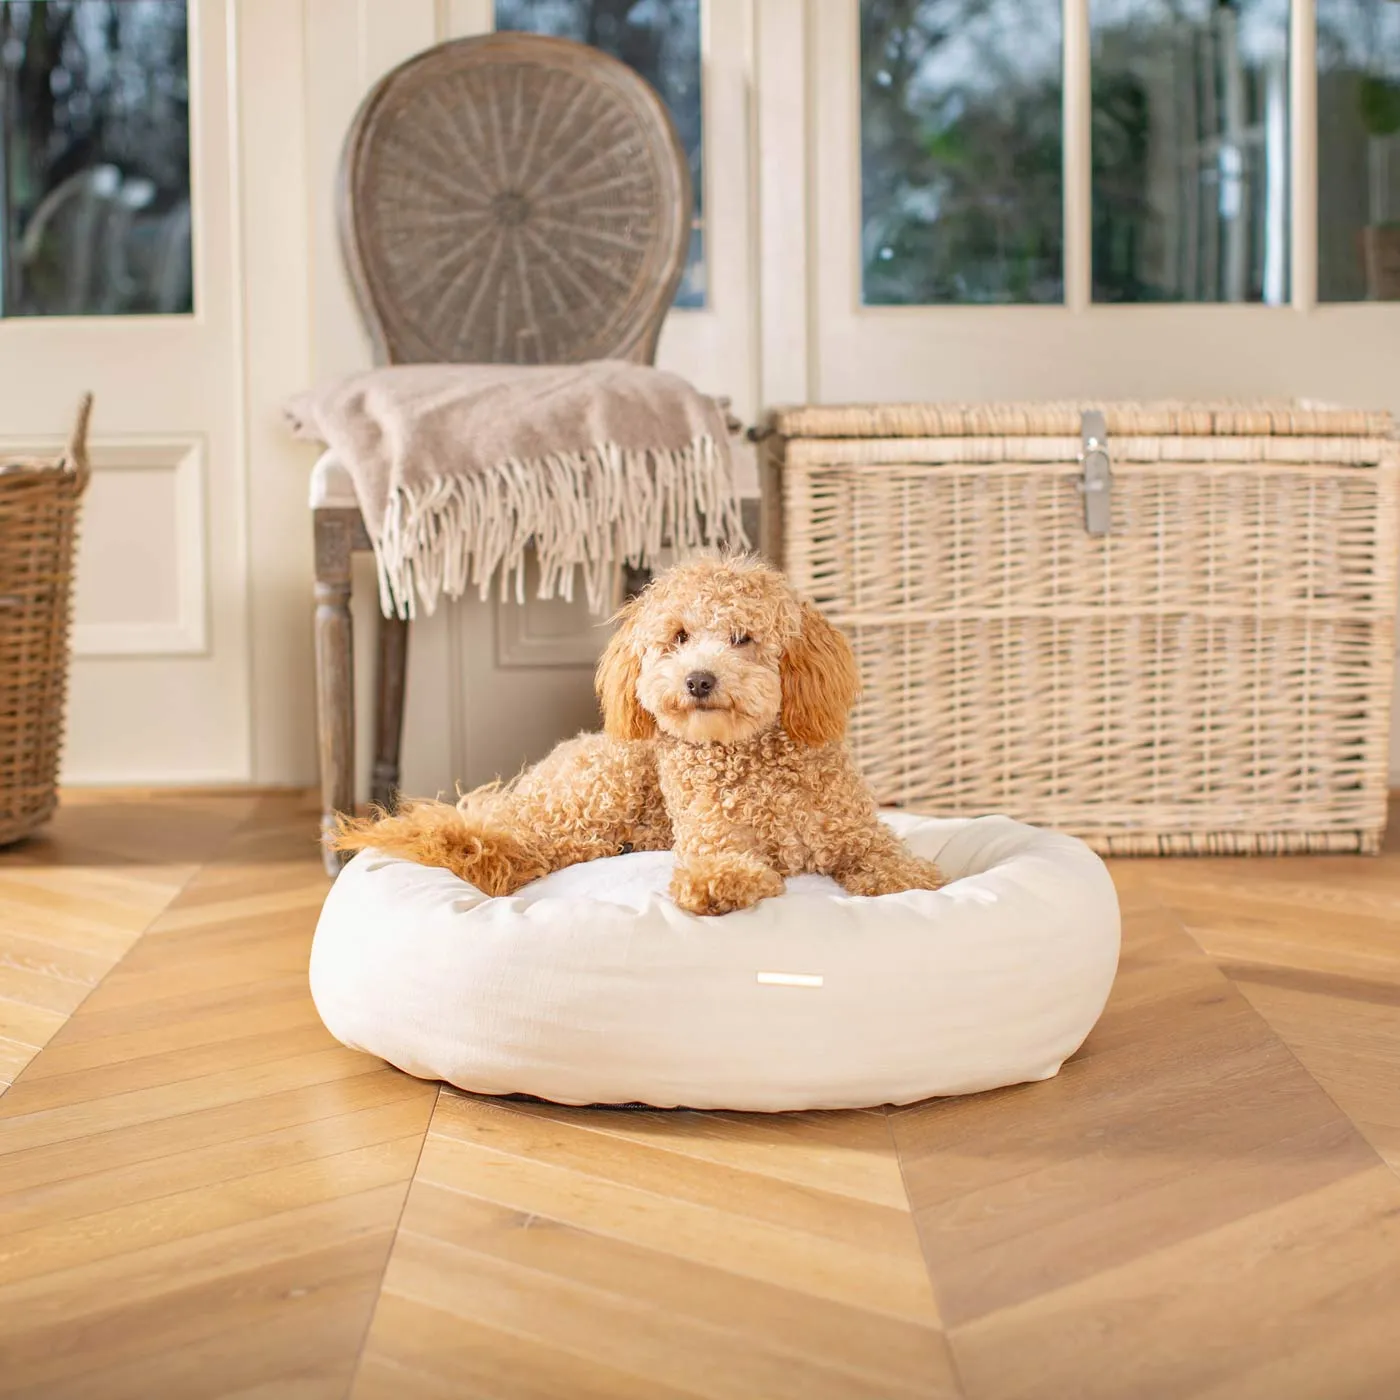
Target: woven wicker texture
(38, 518)
(1036, 419)
(1212, 676)
(513, 199)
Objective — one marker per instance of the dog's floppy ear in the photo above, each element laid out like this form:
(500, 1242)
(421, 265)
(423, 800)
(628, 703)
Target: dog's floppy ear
(820, 681)
(619, 670)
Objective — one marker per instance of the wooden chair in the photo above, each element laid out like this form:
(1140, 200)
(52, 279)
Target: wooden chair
(508, 199)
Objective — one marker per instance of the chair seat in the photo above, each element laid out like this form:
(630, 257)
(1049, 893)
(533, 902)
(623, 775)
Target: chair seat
(331, 486)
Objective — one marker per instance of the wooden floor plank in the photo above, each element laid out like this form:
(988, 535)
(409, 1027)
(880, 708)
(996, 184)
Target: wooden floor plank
(52, 956)
(1335, 915)
(472, 1359)
(100, 940)
(14, 1056)
(86, 1237)
(1315, 949)
(749, 1194)
(846, 1154)
(245, 1159)
(1184, 1120)
(182, 1014)
(111, 1148)
(1350, 1044)
(74, 900)
(36, 1312)
(379, 1378)
(890, 1283)
(186, 1210)
(27, 1025)
(600, 1240)
(1027, 1190)
(243, 1054)
(81, 1117)
(901, 1355)
(1295, 1302)
(117, 832)
(242, 1329)
(621, 1332)
(262, 1009)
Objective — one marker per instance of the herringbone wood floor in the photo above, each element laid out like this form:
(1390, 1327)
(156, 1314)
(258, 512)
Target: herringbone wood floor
(202, 1195)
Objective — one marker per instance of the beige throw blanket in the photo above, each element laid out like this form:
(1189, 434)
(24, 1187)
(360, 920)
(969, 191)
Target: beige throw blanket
(458, 467)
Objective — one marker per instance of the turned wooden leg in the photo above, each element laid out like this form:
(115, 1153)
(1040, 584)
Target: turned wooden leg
(388, 710)
(335, 671)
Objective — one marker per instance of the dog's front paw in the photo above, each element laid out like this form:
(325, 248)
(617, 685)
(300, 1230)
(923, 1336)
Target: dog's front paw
(892, 876)
(722, 884)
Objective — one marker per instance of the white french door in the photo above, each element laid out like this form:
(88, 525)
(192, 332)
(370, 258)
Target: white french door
(160, 687)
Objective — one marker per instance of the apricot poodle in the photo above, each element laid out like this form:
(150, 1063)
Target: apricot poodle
(725, 698)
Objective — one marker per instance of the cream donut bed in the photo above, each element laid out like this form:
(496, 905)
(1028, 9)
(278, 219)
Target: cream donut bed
(591, 987)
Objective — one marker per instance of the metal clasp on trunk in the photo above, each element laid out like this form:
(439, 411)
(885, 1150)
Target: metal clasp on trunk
(1096, 480)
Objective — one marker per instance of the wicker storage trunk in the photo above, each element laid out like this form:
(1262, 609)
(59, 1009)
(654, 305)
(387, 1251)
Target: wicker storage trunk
(38, 519)
(1166, 629)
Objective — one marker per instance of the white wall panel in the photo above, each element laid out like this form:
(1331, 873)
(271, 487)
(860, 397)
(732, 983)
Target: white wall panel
(142, 560)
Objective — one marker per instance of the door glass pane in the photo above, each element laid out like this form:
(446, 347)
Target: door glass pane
(1190, 142)
(94, 157)
(961, 151)
(1358, 150)
(661, 40)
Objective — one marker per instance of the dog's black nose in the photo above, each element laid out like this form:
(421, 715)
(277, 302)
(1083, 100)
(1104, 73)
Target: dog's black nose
(700, 684)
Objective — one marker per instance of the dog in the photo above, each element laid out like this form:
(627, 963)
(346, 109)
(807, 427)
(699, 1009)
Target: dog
(725, 699)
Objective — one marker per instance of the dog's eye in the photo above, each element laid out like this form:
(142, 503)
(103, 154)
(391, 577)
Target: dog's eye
(681, 637)
(741, 639)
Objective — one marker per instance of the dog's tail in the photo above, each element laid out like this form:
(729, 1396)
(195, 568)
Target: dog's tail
(489, 853)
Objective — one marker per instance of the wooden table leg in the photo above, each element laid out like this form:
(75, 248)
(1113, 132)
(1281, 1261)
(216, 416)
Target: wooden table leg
(335, 670)
(388, 718)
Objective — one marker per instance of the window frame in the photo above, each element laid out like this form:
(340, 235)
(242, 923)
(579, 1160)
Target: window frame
(1077, 171)
(196, 80)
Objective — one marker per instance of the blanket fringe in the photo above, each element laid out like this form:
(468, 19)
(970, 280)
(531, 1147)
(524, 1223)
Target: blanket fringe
(588, 511)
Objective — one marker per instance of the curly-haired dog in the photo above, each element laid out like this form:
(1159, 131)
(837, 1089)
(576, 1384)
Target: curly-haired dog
(725, 699)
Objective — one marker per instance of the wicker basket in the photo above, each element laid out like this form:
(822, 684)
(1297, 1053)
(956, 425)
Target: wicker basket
(1211, 674)
(38, 514)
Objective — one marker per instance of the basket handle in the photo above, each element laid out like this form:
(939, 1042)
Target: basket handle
(75, 454)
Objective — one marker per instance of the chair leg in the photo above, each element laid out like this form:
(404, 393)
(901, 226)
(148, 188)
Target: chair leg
(335, 671)
(634, 580)
(388, 705)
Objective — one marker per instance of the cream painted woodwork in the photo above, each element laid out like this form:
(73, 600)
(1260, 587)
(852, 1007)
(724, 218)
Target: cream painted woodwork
(160, 672)
(191, 640)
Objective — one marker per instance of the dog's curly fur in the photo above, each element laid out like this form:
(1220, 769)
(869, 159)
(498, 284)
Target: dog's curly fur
(750, 781)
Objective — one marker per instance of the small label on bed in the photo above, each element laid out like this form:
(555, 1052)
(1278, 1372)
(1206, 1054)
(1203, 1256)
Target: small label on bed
(791, 979)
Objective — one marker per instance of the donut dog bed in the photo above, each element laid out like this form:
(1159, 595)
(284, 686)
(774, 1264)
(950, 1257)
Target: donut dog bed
(591, 986)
